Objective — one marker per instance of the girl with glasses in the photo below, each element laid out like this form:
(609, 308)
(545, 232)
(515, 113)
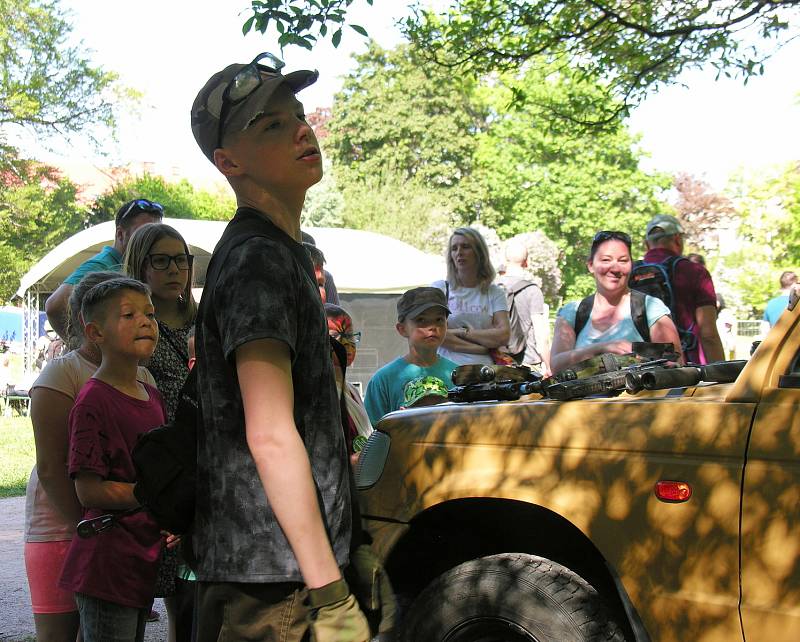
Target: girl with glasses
(607, 320)
(158, 255)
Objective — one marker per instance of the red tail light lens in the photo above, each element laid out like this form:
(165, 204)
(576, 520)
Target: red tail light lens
(673, 491)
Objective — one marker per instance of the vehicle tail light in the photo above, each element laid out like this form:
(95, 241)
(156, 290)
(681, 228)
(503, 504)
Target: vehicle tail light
(673, 491)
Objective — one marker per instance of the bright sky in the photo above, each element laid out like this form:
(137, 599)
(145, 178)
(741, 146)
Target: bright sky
(167, 49)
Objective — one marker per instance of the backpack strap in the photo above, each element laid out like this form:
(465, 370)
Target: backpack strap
(583, 314)
(639, 314)
(519, 286)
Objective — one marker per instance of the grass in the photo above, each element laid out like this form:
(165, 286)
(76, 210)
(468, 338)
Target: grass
(17, 453)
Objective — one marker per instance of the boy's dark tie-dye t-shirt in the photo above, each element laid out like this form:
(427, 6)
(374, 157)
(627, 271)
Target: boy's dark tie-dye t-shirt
(263, 292)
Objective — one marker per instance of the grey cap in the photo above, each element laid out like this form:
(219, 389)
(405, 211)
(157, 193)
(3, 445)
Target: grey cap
(208, 103)
(663, 225)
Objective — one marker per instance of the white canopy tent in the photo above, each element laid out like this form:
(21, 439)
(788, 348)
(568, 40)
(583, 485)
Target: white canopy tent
(361, 263)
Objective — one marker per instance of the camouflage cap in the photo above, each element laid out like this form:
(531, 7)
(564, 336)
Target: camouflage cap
(417, 300)
(207, 107)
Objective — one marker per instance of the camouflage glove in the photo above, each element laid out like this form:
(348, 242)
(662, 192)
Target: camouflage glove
(372, 588)
(335, 616)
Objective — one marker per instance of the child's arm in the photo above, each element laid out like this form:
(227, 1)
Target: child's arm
(264, 370)
(50, 419)
(96, 492)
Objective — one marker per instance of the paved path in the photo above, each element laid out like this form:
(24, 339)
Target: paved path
(16, 620)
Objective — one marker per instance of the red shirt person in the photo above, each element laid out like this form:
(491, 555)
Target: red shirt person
(695, 297)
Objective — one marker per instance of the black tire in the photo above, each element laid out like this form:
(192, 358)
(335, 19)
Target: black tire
(510, 597)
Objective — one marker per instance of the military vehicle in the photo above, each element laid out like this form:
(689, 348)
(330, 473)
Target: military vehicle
(667, 515)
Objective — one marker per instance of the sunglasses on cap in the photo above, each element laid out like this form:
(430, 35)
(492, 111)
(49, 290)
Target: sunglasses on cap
(611, 235)
(143, 206)
(244, 83)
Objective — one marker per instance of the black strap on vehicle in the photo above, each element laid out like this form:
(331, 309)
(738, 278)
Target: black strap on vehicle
(638, 314)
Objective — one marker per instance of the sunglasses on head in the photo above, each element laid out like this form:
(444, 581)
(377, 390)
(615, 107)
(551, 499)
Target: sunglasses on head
(143, 206)
(244, 83)
(611, 235)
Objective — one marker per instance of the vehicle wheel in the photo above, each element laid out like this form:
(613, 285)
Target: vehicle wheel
(510, 597)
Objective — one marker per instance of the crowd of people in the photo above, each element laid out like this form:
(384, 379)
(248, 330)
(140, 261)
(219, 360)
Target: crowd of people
(276, 528)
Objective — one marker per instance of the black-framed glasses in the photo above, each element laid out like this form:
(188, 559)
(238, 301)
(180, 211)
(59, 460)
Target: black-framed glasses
(162, 261)
(144, 206)
(350, 337)
(244, 83)
(611, 235)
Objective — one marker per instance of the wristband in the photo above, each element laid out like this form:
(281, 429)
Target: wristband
(329, 594)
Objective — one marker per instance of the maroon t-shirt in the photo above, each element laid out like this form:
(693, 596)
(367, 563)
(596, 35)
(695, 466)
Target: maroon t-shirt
(118, 565)
(693, 289)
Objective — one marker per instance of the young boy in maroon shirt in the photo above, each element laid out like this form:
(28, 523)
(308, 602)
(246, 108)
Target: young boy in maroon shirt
(113, 574)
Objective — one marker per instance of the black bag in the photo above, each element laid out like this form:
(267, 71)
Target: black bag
(166, 464)
(656, 279)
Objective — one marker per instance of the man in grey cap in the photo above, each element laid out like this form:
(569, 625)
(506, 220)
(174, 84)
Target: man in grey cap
(274, 514)
(695, 307)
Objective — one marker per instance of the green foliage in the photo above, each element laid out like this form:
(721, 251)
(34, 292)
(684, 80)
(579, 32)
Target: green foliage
(38, 210)
(47, 83)
(301, 23)
(631, 47)
(18, 454)
(767, 233)
(540, 174)
(400, 119)
(399, 208)
(405, 132)
(180, 199)
(324, 204)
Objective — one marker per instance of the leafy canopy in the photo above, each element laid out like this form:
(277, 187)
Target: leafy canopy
(632, 47)
(417, 149)
(48, 84)
(38, 210)
(180, 199)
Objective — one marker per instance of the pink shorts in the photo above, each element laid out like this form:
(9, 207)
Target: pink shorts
(43, 562)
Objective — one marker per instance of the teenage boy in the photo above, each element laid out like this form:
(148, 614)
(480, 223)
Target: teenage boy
(422, 320)
(273, 514)
(130, 217)
(113, 574)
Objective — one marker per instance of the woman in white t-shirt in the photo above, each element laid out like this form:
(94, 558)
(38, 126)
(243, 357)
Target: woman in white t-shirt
(478, 322)
(610, 327)
(52, 508)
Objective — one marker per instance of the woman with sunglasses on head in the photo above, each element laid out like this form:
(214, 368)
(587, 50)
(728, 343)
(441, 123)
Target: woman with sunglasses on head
(158, 255)
(610, 326)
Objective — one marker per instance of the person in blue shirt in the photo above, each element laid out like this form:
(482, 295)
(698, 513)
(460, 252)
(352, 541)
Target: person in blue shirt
(776, 306)
(422, 320)
(610, 327)
(130, 217)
